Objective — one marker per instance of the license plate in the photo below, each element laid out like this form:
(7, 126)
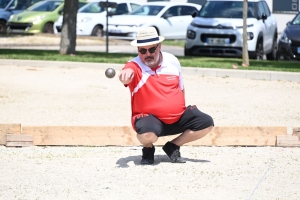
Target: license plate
(16, 31)
(218, 40)
(298, 49)
(114, 31)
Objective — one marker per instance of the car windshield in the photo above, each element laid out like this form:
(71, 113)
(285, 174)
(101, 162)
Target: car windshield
(225, 9)
(92, 8)
(4, 3)
(151, 10)
(296, 20)
(45, 6)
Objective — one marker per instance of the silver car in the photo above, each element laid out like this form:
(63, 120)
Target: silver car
(217, 30)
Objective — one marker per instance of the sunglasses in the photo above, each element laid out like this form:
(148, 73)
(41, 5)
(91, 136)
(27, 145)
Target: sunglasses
(151, 50)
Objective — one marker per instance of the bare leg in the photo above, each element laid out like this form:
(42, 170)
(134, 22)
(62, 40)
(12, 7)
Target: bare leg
(147, 139)
(189, 136)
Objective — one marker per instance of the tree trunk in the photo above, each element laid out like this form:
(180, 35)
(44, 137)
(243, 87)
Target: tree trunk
(245, 43)
(68, 32)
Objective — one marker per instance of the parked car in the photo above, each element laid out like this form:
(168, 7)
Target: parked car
(217, 30)
(11, 7)
(289, 41)
(169, 18)
(91, 18)
(38, 18)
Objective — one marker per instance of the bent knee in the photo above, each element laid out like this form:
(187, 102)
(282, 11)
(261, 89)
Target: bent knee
(147, 135)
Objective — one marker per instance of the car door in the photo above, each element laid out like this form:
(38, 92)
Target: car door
(177, 22)
(271, 24)
(265, 26)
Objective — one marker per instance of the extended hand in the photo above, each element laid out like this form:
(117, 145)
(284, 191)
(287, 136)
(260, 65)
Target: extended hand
(126, 76)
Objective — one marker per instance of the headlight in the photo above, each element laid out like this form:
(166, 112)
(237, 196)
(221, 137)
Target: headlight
(86, 19)
(10, 18)
(284, 38)
(250, 36)
(190, 34)
(38, 18)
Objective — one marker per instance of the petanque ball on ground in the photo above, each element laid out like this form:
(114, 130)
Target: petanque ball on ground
(110, 72)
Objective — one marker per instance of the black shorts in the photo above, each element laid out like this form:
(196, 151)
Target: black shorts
(192, 119)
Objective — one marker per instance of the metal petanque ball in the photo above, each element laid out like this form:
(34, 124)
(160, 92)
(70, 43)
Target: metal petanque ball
(110, 73)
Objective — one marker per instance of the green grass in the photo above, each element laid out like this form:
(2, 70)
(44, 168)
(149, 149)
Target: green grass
(122, 58)
(179, 43)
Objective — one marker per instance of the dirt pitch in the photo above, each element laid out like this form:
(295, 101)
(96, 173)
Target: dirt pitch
(52, 95)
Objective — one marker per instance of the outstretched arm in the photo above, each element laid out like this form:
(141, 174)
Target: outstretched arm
(126, 76)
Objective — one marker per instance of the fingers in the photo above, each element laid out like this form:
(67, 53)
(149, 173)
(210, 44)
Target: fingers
(126, 76)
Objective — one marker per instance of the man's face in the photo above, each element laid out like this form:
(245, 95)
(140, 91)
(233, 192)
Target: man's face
(148, 58)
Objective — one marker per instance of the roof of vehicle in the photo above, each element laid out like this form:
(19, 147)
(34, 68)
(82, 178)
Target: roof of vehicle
(238, 0)
(62, 1)
(166, 3)
(117, 1)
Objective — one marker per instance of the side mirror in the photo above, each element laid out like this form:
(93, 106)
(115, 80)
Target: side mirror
(167, 16)
(110, 14)
(60, 12)
(288, 23)
(194, 14)
(264, 16)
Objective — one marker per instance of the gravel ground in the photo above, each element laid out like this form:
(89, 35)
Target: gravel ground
(114, 173)
(83, 96)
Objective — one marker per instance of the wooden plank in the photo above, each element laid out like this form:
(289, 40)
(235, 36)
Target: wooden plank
(19, 140)
(8, 129)
(125, 136)
(296, 131)
(82, 135)
(241, 136)
(288, 141)
(19, 144)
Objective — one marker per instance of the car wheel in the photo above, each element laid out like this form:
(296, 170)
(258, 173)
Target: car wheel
(273, 53)
(280, 57)
(2, 27)
(48, 28)
(187, 52)
(97, 31)
(259, 51)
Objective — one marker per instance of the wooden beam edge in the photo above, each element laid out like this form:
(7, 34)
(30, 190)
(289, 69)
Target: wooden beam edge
(125, 136)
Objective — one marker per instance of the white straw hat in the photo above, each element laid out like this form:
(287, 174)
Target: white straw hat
(147, 36)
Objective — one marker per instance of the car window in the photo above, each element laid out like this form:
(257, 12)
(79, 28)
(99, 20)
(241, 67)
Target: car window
(173, 11)
(45, 6)
(188, 10)
(4, 3)
(80, 5)
(21, 4)
(147, 10)
(261, 9)
(266, 8)
(120, 9)
(92, 8)
(225, 9)
(134, 6)
(296, 20)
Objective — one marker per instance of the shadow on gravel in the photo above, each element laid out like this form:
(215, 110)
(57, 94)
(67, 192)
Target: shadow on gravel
(123, 162)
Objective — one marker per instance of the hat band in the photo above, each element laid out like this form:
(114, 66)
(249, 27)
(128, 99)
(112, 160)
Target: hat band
(148, 40)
